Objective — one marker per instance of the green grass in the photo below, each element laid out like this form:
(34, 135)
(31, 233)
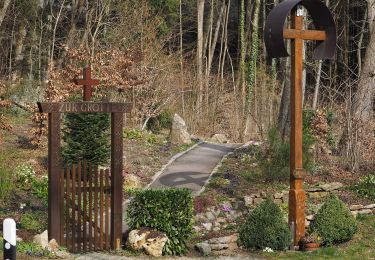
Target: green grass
(361, 247)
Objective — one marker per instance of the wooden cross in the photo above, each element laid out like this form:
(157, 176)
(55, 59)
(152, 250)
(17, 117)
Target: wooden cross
(87, 83)
(297, 196)
(274, 36)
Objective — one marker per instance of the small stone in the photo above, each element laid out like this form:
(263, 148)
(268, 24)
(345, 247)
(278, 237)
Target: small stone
(207, 226)
(278, 201)
(204, 248)
(278, 195)
(216, 229)
(310, 217)
(217, 247)
(285, 192)
(355, 213)
(257, 201)
(307, 223)
(41, 239)
(210, 216)
(53, 246)
(314, 189)
(356, 207)
(263, 194)
(248, 201)
(224, 240)
(371, 206)
(318, 195)
(331, 186)
(221, 220)
(365, 212)
(63, 254)
(196, 228)
(19, 239)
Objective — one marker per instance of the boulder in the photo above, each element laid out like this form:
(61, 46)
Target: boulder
(155, 242)
(331, 186)
(147, 239)
(219, 138)
(179, 133)
(204, 248)
(356, 207)
(41, 239)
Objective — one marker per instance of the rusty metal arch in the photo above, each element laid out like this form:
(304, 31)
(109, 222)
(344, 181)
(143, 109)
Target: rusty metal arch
(322, 19)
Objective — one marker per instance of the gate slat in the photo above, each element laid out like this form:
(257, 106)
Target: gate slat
(90, 206)
(68, 206)
(62, 191)
(101, 208)
(73, 220)
(79, 205)
(84, 205)
(107, 210)
(96, 209)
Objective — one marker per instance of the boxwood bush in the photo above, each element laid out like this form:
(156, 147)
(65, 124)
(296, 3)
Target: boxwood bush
(166, 210)
(334, 222)
(265, 227)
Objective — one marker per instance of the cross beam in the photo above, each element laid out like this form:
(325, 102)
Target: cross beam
(304, 34)
(87, 83)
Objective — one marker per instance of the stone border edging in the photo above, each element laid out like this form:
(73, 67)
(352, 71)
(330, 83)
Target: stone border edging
(176, 156)
(217, 167)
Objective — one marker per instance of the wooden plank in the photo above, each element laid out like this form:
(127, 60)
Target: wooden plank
(90, 206)
(107, 201)
(79, 204)
(68, 206)
(84, 205)
(54, 168)
(84, 107)
(116, 179)
(73, 219)
(101, 237)
(304, 34)
(62, 215)
(96, 208)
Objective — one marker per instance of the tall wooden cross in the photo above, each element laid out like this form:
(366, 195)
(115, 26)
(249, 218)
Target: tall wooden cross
(87, 83)
(274, 36)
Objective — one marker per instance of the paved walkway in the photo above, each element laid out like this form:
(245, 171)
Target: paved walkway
(101, 256)
(193, 168)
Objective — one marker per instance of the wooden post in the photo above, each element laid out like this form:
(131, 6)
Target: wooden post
(297, 196)
(116, 180)
(54, 170)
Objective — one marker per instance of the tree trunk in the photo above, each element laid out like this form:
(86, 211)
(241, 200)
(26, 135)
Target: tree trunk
(200, 9)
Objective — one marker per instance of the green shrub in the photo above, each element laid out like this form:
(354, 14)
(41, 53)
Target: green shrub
(39, 188)
(34, 221)
(86, 137)
(162, 121)
(334, 222)
(133, 134)
(6, 184)
(366, 188)
(166, 210)
(265, 227)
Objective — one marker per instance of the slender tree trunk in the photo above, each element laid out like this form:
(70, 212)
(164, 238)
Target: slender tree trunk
(200, 40)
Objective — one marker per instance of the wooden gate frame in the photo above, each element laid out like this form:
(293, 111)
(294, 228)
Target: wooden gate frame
(54, 111)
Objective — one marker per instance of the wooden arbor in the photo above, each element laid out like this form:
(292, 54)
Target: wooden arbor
(274, 36)
(54, 111)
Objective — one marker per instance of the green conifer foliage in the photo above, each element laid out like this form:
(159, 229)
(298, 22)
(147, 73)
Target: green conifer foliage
(86, 137)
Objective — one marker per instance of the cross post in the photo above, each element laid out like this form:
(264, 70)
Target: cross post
(297, 196)
(87, 83)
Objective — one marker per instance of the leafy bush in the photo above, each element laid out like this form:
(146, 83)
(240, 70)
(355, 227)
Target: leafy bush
(133, 134)
(334, 222)
(265, 227)
(366, 188)
(35, 221)
(166, 210)
(162, 121)
(6, 184)
(39, 188)
(25, 175)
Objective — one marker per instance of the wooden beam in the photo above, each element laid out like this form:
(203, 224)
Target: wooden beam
(304, 34)
(84, 107)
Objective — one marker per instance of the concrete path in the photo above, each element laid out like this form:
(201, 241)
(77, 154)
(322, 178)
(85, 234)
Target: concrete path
(193, 168)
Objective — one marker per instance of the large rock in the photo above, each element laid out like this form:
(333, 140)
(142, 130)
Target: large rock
(204, 248)
(147, 239)
(219, 138)
(179, 133)
(41, 239)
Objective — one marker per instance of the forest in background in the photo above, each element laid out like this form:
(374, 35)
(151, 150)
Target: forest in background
(203, 59)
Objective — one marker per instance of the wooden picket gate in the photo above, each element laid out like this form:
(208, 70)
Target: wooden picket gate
(85, 207)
